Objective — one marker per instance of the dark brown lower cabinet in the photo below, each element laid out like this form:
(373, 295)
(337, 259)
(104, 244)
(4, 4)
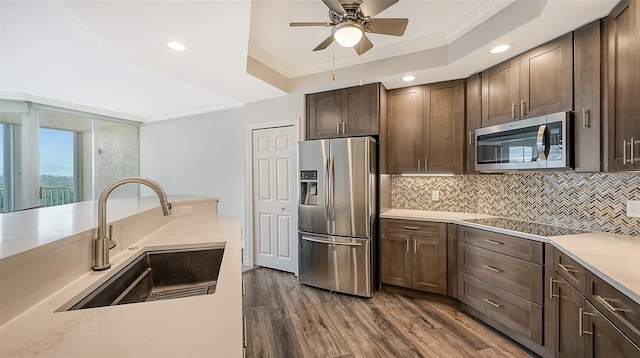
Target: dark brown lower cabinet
(578, 329)
(603, 339)
(414, 255)
(566, 303)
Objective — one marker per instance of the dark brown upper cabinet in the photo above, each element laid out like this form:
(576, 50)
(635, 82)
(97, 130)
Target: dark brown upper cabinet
(623, 58)
(425, 129)
(588, 71)
(533, 84)
(474, 118)
(347, 112)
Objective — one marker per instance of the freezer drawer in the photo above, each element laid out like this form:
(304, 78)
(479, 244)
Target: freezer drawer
(335, 263)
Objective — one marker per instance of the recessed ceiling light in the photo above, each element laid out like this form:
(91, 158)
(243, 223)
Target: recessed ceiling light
(176, 46)
(408, 78)
(500, 49)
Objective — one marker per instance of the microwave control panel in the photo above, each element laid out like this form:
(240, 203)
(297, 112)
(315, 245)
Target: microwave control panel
(555, 141)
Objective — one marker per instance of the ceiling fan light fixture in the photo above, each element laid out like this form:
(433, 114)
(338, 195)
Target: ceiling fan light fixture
(348, 34)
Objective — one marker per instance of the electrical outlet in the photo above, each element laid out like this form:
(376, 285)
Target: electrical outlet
(186, 210)
(633, 208)
(435, 195)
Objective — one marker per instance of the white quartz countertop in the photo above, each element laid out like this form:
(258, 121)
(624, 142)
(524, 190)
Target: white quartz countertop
(25, 230)
(614, 258)
(199, 326)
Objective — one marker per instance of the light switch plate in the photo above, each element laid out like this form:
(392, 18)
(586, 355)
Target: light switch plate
(633, 208)
(186, 210)
(435, 195)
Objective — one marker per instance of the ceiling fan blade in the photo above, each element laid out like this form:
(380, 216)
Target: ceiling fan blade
(294, 24)
(371, 8)
(324, 44)
(335, 6)
(364, 45)
(395, 27)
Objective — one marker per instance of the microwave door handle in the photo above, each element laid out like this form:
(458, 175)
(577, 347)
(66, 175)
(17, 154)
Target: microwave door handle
(542, 155)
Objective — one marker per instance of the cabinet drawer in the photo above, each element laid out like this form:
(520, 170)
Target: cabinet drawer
(521, 278)
(512, 314)
(622, 311)
(413, 227)
(505, 244)
(570, 270)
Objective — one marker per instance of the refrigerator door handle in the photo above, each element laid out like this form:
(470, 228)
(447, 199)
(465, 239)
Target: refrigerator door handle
(332, 173)
(306, 238)
(326, 188)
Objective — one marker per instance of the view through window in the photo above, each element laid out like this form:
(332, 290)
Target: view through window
(57, 167)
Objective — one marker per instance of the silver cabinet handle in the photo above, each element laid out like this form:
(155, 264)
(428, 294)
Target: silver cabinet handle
(415, 246)
(408, 245)
(566, 268)
(607, 302)
(493, 242)
(632, 149)
(581, 330)
(244, 332)
(551, 282)
(425, 164)
(586, 118)
(418, 164)
(412, 228)
(523, 108)
(243, 290)
(513, 110)
(344, 127)
(470, 136)
(496, 305)
(540, 142)
(491, 268)
(624, 151)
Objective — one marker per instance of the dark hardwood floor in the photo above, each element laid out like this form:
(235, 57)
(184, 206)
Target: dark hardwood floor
(287, 319)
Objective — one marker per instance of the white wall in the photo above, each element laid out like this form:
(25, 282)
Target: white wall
(206, 154)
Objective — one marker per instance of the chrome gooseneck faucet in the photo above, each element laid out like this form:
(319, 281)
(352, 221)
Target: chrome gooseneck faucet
(102, 243)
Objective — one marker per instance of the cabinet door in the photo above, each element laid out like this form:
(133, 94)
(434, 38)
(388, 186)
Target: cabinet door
(443, 128)
(404, 130)
(324, 112)
(587, 64)
(395, 259)
(622, 87)
(603, 339)
(474, 119)
(546, 78)
(360, 110)
(566, 304)
(500, 93)
(430, 264)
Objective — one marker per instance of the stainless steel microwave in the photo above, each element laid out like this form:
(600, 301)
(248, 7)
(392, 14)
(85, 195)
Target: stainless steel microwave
(535, 143)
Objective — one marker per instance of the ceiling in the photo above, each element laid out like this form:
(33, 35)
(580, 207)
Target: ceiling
(109, 57)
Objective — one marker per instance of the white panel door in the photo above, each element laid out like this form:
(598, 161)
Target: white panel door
(274, 198)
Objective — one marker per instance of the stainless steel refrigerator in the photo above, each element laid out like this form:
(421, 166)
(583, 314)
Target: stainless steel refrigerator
(337, 212)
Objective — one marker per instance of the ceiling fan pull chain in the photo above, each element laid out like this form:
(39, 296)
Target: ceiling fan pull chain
(333, 63)
(361, 56)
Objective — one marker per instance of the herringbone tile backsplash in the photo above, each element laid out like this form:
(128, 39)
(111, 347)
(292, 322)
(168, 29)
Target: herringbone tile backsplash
(587, 201)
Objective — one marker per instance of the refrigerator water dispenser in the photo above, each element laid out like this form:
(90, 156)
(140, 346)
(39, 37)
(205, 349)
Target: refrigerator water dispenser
(309, 187)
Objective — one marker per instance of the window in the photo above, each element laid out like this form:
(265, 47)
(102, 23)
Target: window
(53, 156)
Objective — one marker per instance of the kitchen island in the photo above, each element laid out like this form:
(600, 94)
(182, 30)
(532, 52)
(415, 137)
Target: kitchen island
(207, 325)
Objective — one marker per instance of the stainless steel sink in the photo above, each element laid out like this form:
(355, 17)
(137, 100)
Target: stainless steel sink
(159, 275)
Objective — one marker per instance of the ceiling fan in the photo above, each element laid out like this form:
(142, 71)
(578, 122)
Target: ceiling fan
(351, 19)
